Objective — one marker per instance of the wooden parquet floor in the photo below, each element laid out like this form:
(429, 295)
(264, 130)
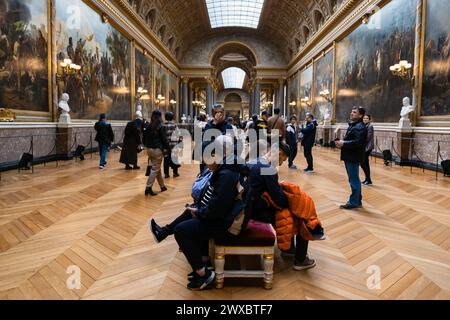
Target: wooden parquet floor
(75, 214)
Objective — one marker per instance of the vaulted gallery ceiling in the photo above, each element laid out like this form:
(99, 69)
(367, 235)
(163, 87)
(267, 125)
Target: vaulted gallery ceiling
(286, 23)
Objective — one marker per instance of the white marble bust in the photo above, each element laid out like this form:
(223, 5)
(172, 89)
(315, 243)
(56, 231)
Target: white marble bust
(183, 118)
(65, 109)
(404, 113)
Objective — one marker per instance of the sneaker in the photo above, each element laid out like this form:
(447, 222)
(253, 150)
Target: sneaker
(349, 206)
(367, 182)
(199, 283)
(175, 175)
(149, 191)
(193, 274)
(101, 167)
(308, 171)
(127, 167)
(163, 189)
(136, 167)
(159, 233)
(293, 167)
(306, 264)
(166, 176)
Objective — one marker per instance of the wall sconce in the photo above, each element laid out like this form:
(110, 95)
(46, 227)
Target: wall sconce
(293, 104)
(268, 104)
(144, 52)
(172, 101)
(326, 95)
(402, 70)
(306, 101)
(141, 92)
(68, 68)
(104, 18)
(160, 98)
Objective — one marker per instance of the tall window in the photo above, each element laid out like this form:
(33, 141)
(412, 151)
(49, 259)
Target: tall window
(233, 78)
(234, 13)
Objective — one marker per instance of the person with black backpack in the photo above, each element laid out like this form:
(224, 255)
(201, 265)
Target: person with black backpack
(155, 141)
(309, 137)
(104, 137)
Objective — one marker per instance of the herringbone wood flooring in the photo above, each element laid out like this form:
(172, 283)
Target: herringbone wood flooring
(75, 214)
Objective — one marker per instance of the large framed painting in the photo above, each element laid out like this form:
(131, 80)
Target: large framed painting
(103, 83)
(173, 94)
(293, 95)
(436, 67)
(24, 55)
(143, 81)
(161, 87)
(305, 92)
(363, 59)
(323, 83)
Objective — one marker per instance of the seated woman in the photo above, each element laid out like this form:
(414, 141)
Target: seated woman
(209, 217)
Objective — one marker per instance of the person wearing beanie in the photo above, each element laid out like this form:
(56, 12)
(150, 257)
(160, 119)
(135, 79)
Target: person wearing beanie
(132, 142)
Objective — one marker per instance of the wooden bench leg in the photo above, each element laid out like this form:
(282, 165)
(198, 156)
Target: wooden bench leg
(268, 271)
(219, 263)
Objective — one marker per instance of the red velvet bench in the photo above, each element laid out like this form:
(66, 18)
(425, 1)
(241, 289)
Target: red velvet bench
(257, 239)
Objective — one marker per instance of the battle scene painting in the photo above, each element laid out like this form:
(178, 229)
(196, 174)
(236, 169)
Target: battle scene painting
(363, 59)
(306, 80)
(143, 80)
(436, 68)
(102, 85)
(323, 82)
(293, 95)
(24, 55)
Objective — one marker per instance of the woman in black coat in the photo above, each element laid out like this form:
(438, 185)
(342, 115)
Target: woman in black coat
(131, 142)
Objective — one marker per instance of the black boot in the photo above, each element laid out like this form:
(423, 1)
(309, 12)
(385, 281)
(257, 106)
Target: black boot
(149, 191)
(159, 233)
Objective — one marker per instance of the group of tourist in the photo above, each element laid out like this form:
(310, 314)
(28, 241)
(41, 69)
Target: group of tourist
(225, 176)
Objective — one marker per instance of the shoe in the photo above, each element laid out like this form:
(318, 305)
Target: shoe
(306, 264)
(159, 233)
(101, 167)
(166, 176)
(349, 206)
(163, 189)
(193, 274)
(308, 171)
(127, 167)
(293, 167)
(175, 175)
(365, 182)
(136, 167)
(149, 191)
(199, 283)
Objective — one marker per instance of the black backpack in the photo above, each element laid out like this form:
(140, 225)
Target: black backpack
(446, 167)
(387, 157)
(25, 161)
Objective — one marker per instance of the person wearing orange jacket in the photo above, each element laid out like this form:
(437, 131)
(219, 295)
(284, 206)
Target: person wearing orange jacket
(263, 178)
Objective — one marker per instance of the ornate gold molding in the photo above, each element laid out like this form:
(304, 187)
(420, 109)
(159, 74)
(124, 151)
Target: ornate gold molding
(7, 115)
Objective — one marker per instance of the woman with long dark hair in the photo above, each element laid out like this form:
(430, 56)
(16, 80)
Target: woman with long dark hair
(155, 141)
(365, 164)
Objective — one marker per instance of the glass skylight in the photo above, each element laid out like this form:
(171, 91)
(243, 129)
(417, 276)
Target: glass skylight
(233, 78)
(234, 13)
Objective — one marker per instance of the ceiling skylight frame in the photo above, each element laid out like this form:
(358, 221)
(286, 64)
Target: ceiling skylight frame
(234, 13)
(233, 78)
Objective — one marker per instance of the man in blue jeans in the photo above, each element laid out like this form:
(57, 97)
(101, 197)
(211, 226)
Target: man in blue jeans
(352, 153)
(104, 137)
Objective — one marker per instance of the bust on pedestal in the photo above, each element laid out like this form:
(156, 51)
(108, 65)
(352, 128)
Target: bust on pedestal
(64, 107)
(407, 108)
(183, 118)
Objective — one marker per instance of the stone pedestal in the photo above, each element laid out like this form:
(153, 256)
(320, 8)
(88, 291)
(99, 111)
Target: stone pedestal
(404, 146)
(64, 141)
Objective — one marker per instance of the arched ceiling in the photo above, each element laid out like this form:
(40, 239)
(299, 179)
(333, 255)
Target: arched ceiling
(285, 23)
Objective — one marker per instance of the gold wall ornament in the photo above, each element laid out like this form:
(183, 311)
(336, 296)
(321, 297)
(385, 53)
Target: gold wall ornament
(7, 115)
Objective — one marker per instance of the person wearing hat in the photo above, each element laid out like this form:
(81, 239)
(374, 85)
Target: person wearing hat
(132, 142)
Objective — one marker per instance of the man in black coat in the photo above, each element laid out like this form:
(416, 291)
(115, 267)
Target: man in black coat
(104, 137)
(352, 153)
(309, 137)
(131, 142)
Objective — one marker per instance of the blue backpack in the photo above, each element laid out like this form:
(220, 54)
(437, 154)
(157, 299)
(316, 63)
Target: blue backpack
(200, 184)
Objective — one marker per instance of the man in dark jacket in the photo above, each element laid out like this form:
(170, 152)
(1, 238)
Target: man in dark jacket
(292, 140)
(264, 178)
(352, 153)
(104, 137)
(131, 143)
(309, 137)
